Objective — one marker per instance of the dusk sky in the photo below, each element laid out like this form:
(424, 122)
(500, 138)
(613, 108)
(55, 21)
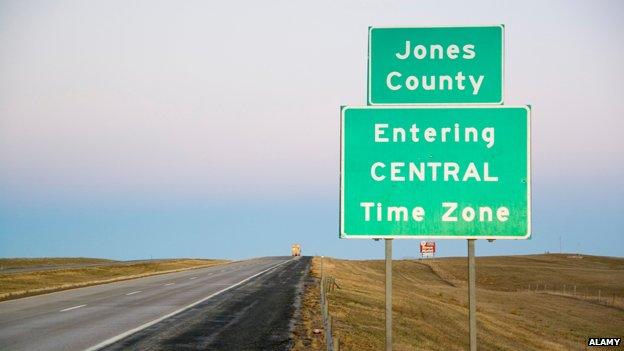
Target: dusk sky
(211, 129)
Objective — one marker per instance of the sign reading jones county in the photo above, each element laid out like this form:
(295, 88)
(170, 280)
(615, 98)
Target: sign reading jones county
(435, 65)
(435, 172)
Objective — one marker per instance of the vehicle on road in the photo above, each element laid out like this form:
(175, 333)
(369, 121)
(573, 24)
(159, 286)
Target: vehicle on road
(295, 250)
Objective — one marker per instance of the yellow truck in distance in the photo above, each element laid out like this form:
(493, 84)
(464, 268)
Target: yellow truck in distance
(295, 250)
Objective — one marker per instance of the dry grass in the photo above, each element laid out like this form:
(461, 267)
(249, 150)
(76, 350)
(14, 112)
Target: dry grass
(49, 261)
(310, 319)
(430, 303)
(17, 285)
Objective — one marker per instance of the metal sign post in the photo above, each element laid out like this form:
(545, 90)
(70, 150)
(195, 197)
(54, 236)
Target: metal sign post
(472, 296)
(388, 294)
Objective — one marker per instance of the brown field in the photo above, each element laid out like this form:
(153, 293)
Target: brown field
(430, 303)
(6, 263)
(21, 284)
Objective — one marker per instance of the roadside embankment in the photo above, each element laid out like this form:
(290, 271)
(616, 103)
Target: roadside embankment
(536, 302)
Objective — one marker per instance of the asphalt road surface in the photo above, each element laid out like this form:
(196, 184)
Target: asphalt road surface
(246, 305)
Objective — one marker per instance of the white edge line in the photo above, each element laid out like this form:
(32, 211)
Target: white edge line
(149, 324)
(71, 308)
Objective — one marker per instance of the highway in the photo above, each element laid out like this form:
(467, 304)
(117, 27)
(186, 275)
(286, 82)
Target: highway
(99, 316)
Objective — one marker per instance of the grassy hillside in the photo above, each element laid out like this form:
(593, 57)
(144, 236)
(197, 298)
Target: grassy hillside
(430, 303)
(15, 285)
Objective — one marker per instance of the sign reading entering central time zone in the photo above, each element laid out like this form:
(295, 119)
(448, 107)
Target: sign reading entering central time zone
(435, 172)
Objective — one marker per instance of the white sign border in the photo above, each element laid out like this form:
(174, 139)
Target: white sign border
(343, 235)
(368, 61)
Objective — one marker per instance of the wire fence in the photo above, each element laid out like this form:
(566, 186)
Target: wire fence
(328, 284)
(598, 296)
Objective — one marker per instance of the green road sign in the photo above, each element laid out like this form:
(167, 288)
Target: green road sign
(435, 172)
(435, 66)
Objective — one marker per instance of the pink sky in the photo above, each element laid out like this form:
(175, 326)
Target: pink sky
(173, 100)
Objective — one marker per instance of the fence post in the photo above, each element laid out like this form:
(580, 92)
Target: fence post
(598, 295)
(328, 333)
(327, 320)
(333, 343)
(326, 307)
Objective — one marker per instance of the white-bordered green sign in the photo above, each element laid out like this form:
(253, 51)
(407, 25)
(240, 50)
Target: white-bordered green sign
(435, 65)
(435, 172)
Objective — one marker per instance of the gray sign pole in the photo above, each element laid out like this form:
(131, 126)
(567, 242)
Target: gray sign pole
(472, 296)
(388, 294)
